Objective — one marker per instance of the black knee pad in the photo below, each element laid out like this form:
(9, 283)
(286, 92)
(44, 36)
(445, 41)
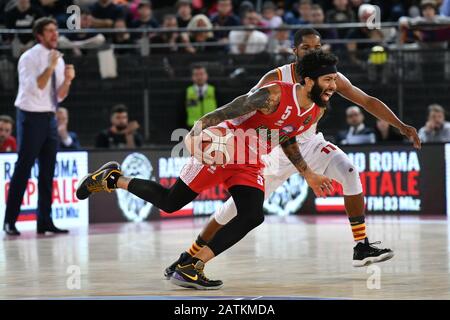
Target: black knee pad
(257, 219)
(251, 218)
(171, 207)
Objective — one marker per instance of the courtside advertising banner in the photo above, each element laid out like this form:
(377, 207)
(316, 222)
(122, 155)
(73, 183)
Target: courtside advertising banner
(67, 210)
(395, 180)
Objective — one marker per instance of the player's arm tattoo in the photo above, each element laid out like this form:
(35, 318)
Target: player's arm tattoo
(262, 99)
(292, 151)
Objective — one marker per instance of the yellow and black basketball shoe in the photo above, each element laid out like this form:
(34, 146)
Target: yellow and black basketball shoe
(168, 272)
(103, 179)
(190, 275)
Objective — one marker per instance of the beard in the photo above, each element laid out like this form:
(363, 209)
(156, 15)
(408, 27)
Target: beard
(316, 96)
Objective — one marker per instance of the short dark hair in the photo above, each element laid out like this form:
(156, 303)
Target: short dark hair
(7, 119)
(303, 32)
(428, 3)
(197, 66)
(183, 3)
(119, 108)
(40, 24)
(247, 11)
(314, 60)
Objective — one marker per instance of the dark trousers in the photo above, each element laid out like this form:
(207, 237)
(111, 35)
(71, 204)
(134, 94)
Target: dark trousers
(37, 139)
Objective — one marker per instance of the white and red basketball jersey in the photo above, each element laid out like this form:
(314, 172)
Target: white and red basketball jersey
(287, 121)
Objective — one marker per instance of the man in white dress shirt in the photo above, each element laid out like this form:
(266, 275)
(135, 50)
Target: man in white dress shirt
(44, 81)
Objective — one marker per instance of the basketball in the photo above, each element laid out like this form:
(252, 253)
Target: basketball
(217, 142)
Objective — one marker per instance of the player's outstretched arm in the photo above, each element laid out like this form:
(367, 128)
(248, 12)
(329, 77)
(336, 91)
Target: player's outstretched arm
(376, 107)
(320, 184)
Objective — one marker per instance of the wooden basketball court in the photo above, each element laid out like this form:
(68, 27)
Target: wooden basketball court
(293, 258)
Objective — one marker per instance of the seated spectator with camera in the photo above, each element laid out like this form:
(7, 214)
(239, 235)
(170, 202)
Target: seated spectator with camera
(122, 133)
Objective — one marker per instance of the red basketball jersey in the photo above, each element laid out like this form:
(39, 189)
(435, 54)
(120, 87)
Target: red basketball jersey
(273, 129)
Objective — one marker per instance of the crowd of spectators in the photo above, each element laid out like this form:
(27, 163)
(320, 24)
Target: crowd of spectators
(194, 14)
(436, 129)
(126, 15)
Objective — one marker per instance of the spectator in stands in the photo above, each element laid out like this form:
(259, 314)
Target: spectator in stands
(105, 13)
(300, 14)
(122, 133)
(200, 96)
(132, 9)
(427, 38)
(67, 140)
(318, 17)
(436, 129)
(199, 37)
(184, 13)
(176, 41)
(280, 11)
(358, 51)
(341, 13)
(80, 40)
(224, 18)
(248, 41)
(245, 6)
(269, 16)
(7, 141)
(56, 9)
(387, 134)
(280, 42)
(122, 38)
(22, 16)
(357, 133)
(145, 17)
(431, 33)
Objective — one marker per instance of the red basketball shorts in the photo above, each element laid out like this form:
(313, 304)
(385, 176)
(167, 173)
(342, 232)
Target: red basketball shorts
(199, 176)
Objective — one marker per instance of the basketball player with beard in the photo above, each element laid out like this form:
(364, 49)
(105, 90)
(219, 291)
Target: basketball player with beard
(321, 156)
(280, 109)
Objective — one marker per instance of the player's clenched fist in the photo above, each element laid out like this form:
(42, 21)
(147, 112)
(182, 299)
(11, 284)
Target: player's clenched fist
(69, 72)
(53, 57)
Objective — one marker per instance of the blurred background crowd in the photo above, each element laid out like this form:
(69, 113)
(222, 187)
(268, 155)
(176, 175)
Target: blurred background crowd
(202, 53)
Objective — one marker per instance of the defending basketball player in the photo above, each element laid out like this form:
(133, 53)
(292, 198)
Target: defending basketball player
(321, 156)
(296, 107)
